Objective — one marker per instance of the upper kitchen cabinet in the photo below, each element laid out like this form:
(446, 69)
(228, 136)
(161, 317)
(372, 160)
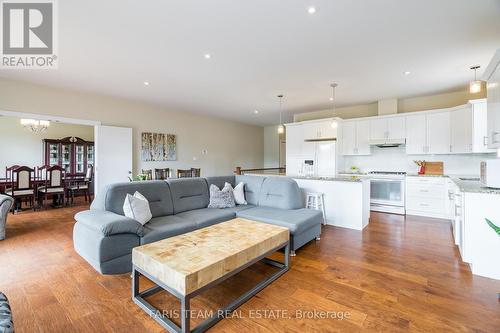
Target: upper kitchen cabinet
(492, 74)
(387, 129)
(356, 137)
(461, 130)
(294, 139)
(319, 130)
(438, 133)
(480, 126)
(416, 134)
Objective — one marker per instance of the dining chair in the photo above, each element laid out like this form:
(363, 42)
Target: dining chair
(148, 173)
(162, 174)
(22, 186)
(53, 185)
(195, 172)
(184, 173)
(8, 171)
(80, 185)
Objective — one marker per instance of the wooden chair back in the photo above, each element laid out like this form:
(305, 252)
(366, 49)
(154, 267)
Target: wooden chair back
(8, 171)
(22, 178)
(162, 174)
(148, 173)
(184, 173)
(195, 172)
(54, 176)
(89, 175)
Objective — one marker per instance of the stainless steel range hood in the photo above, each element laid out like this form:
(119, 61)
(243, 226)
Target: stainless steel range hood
(388, 143)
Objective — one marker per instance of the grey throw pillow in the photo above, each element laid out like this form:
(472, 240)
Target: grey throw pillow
(221, 198)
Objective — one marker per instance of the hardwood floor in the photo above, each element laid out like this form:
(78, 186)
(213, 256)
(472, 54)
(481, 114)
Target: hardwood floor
(397, 275)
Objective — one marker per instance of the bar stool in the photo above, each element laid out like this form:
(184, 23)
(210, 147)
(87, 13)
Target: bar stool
(316, 200)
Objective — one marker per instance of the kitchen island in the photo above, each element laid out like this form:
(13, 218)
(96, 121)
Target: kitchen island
(347, 198)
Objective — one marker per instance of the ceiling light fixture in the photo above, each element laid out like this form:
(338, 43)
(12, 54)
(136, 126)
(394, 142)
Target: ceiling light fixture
(207, 56)
(311, 10)
(334, 122)
(476, 86)
(407, 73)
(281, 128)
(256, 111)
(146, 83)
(35, 126)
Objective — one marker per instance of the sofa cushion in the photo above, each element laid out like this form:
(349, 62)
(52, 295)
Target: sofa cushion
(280, 192)
(166, 226)
(157, 192)
(220, 181)
(238, 208)
(253, 185)
(189, 194)
(108, 223)
(208, 216)
(221, 198)
(296, 220)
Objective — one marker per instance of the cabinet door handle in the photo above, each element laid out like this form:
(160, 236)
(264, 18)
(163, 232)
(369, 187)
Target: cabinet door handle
(451, 148)
(424, 204)
(425, 191)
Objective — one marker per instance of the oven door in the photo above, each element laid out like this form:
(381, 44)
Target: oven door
(387, 192)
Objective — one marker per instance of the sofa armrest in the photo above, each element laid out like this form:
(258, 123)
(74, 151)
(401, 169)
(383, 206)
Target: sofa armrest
(109, 223)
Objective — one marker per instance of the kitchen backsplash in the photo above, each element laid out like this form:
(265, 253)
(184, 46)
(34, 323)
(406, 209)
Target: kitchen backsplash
(395, 159)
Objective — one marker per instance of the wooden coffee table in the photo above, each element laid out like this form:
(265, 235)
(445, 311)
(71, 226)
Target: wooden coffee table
(188, 264)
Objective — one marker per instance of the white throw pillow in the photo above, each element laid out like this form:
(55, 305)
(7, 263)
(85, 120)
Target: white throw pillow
(137, 207)
(239, 193)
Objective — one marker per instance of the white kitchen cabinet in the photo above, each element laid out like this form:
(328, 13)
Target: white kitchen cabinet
(378, 129)
(356, 137)
(363, 137)
(480, 127)
(416, 134)
(438, 133)
(427, 196)
(492, 73)
(315, 130)
(348, 138)
(461, 130)
(294, 165)
(294, 140)
(387, 129)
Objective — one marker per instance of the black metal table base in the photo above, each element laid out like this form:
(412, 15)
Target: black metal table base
(139, 297)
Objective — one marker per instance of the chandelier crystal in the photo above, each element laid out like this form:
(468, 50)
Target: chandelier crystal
(35, 126)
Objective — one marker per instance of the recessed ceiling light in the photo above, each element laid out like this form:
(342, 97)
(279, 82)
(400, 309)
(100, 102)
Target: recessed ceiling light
(311, 10)
(331, 99)
(207, 56)
(146, 83)
(407, 73)
(256, 111)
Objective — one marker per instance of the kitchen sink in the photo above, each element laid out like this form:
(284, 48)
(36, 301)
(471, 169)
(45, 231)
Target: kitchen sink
(470, 179)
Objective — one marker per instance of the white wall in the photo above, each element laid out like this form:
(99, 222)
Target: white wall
(271, 147)
(22, 147)
(395, 159)
(229, 144)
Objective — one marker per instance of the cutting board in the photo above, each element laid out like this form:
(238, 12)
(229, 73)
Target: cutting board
(433, 168)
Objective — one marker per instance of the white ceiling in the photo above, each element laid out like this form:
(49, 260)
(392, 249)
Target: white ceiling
(261, 48)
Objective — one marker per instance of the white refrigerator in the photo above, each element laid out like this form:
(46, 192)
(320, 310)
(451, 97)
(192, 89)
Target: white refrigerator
(323, 156)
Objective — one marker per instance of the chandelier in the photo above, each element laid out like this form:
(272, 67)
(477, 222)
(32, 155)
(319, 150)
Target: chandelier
(35, 126)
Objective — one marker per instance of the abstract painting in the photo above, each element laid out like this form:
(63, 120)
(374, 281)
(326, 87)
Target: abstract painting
(158, 147)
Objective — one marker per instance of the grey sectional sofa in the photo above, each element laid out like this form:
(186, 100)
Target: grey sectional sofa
(105, 237)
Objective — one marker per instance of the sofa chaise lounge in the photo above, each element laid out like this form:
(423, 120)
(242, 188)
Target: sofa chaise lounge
(105, 237)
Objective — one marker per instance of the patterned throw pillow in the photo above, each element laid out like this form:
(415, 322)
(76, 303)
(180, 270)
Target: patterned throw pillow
(221, 198)
(6, 324)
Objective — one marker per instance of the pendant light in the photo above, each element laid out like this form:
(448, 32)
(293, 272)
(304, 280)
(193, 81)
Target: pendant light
(281, 128)
(334, 122)
(477, 85)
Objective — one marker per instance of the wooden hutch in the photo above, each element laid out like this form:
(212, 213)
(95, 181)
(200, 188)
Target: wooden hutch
(73, 154)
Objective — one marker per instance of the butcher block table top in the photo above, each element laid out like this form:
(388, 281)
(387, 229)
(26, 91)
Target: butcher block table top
(191, 261)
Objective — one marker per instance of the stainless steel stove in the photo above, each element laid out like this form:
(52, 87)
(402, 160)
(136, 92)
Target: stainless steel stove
(387, 191)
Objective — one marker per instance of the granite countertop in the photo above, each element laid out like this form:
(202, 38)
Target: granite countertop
(465, 185)
(338, 178)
